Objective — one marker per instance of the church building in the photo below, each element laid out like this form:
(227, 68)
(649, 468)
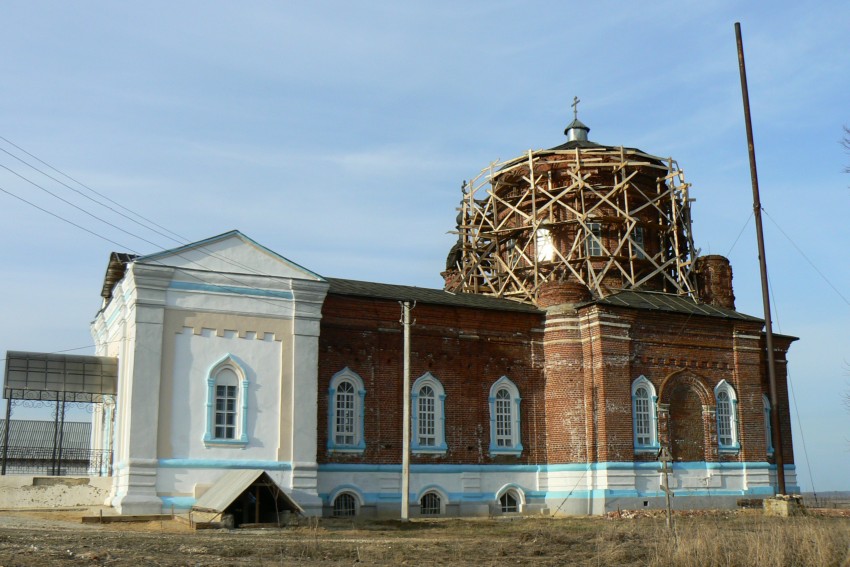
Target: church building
(577, 335)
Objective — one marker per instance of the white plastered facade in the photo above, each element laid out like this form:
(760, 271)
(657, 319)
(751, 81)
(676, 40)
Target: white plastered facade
(174, 319)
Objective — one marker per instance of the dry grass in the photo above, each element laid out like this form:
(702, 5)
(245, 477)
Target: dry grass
(754, 540)
(698, 539)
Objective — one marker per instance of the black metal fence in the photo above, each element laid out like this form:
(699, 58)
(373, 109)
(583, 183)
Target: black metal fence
(51, 462)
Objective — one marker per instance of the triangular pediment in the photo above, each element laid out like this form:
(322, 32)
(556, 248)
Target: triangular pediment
(231, 252)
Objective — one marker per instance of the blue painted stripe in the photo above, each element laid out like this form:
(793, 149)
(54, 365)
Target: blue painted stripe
(193, 286)
(178, 502)
(533, 496)
(224, 464)
(570, 467)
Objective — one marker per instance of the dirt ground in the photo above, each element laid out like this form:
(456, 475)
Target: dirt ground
(59, 538)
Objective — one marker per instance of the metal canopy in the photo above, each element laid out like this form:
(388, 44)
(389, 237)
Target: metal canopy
(230, 486)
(59, 377)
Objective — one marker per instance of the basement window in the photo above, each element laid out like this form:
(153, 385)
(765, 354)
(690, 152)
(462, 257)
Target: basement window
(509, 502)
(430, 504)
(345, 506)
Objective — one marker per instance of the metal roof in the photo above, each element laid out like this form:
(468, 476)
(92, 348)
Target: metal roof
(115, 271)
(230, 486)
(50, 376)
(425, 295)
(669, 303)
(26, 433)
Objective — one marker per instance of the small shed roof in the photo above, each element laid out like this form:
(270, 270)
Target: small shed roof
(230, 486)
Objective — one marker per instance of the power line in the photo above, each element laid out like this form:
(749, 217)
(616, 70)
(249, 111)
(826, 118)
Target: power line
(67, 202)
(160, 248)
(185, 271)
(803, 254)
(81, 184)
(743, 228)
(793, 396)
(93, 200)
(63, 219)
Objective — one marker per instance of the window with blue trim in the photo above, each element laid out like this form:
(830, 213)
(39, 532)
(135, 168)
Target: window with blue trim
(505, 401)
(346, 397)
(644, 415)
(428, 400)
(726, 412)
(768, 426)
(227, 403)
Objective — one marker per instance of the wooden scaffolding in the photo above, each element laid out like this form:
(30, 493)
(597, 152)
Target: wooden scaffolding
(611, 218)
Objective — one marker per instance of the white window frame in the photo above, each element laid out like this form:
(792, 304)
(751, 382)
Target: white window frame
(358, 444)
(512, 444)
(768, 425)
(651, 445)
(516, 493)
(726, 418)
(214, 376)
(439, 415)
(593, 242)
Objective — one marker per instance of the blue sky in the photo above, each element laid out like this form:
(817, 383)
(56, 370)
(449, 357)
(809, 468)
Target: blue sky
(338, 134)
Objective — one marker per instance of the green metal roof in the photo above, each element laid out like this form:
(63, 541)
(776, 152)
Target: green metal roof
(669, 303)
(425, 295)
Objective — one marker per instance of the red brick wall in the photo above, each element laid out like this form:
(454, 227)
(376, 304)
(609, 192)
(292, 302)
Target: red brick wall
(574, 371)
(466, 349)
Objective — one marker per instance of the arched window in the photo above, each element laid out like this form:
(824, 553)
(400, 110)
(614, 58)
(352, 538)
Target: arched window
(768, 425)
(227, 403)
(428, 401)
(429, 504)
(508, 502)
(510, 499)
(644, 416)
(544, 244)
(505, 435)
(226, 396)
(345, 505)
(727, 417)
(345, 412)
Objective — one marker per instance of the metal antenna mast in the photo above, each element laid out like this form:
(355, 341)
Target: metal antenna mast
(765, 292)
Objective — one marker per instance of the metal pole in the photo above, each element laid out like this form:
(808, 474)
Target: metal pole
(9, 401)
(765, 292)
(405, 460)
(665, 470)
(55, 437)
(61, 436)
